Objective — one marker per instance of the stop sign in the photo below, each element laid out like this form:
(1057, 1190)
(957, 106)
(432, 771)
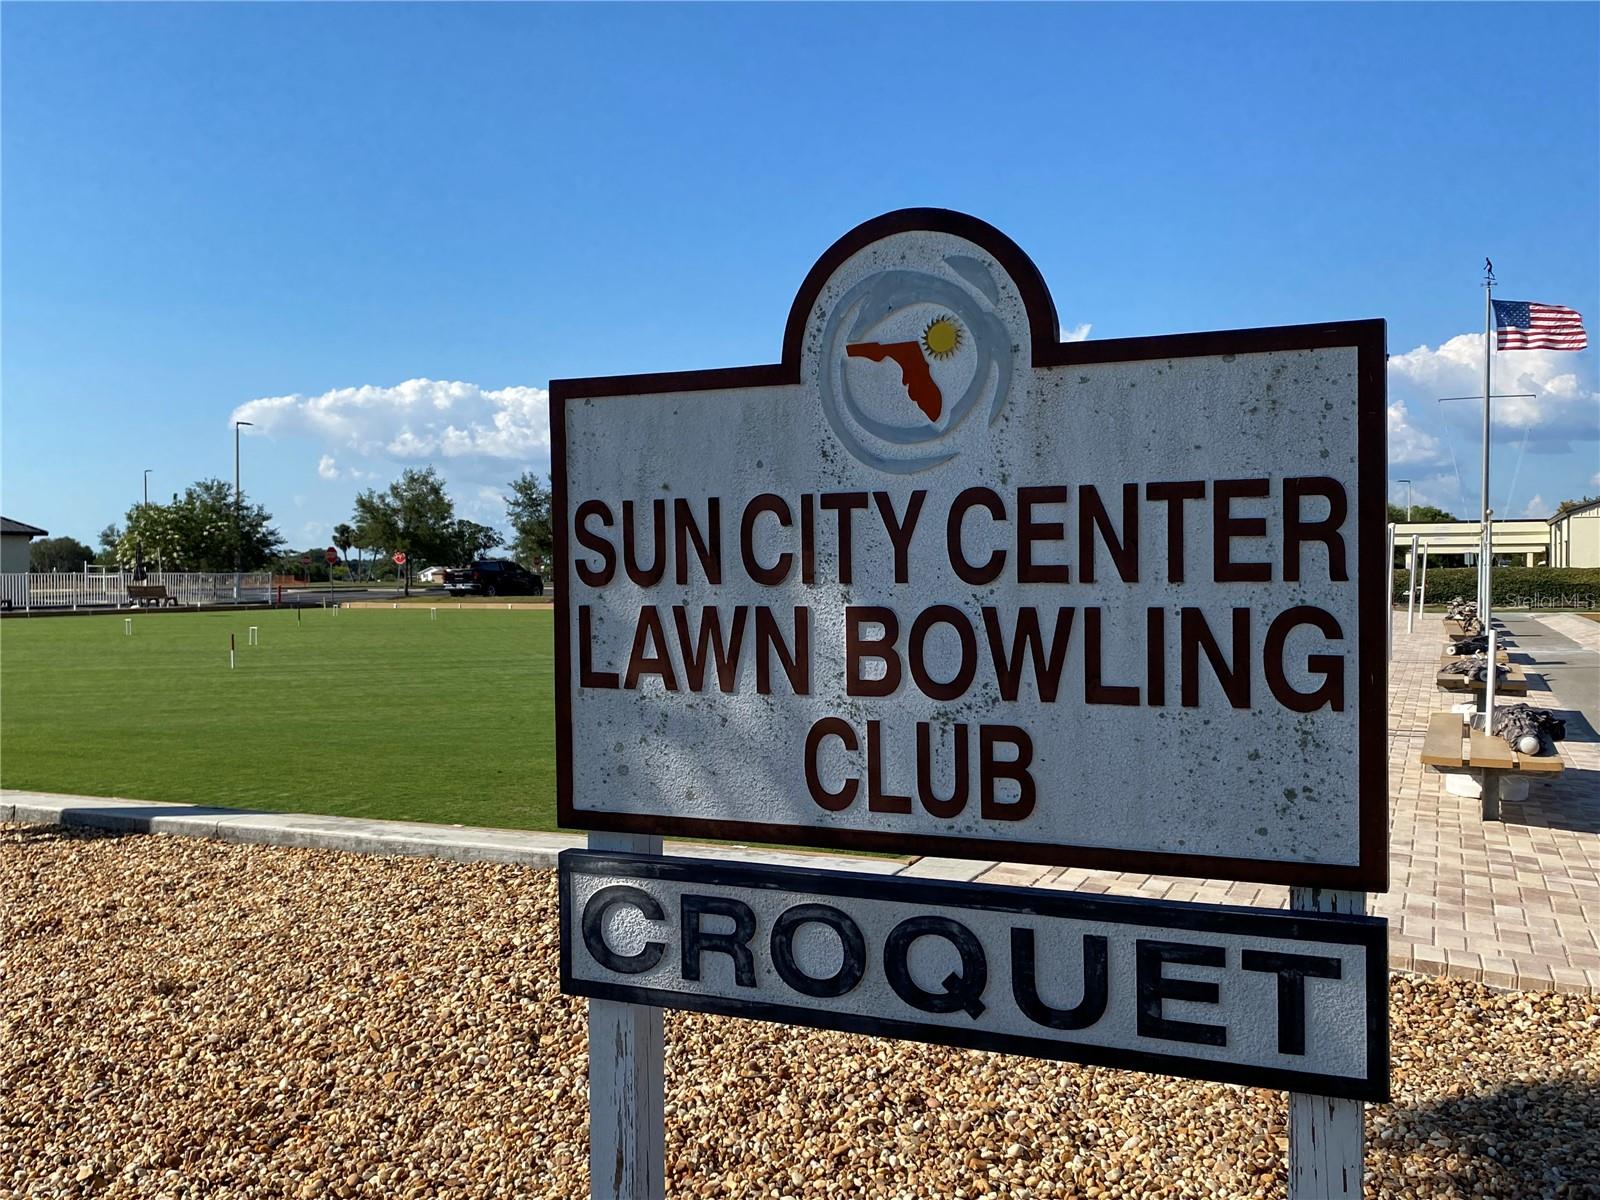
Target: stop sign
(400, 558)
(332, 556)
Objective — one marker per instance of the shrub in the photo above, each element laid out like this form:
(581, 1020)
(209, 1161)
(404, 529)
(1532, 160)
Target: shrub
(1512, 587)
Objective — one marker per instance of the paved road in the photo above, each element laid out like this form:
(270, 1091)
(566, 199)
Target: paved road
(316, 597)
(1572, 672)
(319, 596)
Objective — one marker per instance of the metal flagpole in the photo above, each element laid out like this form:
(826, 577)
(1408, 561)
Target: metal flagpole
(1488, 351)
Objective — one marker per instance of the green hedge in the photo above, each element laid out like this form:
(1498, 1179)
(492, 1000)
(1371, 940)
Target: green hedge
(1513, 587)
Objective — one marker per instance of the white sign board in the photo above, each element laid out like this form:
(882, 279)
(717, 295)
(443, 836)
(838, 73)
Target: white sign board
(1266, 998)
(938, 582)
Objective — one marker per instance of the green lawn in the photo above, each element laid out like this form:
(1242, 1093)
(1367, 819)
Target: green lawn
(367, 712)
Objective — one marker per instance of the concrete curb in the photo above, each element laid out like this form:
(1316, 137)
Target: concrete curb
(354, 835)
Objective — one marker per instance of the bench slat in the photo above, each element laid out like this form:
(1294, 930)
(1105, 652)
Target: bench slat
(1514, 684)
(1442, 746)
(1490, 753)
(1545, 764)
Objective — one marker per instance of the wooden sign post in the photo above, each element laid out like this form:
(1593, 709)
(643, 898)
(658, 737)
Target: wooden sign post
(627, 1078)
(938, 583)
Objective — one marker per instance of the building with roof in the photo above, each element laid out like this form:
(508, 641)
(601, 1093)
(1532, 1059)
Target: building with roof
(14, 539)
(1575, 536)
(1516, 543)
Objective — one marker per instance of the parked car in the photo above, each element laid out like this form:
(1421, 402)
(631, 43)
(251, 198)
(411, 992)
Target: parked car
(493, 577)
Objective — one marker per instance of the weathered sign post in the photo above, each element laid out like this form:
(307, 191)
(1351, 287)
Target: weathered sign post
(940, 583)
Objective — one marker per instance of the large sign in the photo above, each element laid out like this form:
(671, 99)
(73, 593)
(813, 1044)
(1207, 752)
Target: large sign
(940, 582)
(1266, 998)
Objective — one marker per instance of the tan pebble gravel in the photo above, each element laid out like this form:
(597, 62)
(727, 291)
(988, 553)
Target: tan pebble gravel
(195, 1019)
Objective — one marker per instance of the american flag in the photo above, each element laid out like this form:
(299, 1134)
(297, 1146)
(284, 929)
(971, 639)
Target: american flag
(1525, 325)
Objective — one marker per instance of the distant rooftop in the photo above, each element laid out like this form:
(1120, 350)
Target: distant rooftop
(1572, 512)
(7, 525)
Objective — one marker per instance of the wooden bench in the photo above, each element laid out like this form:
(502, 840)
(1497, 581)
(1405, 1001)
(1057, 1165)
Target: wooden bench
(1500, 656)
(1513, 683)
(142, 594)
(1451, 745)
(1502, 639)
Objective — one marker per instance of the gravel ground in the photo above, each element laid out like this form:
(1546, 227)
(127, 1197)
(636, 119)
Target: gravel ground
(182, 1018)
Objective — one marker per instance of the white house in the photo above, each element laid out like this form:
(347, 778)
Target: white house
(1575, 536)
(14, 539)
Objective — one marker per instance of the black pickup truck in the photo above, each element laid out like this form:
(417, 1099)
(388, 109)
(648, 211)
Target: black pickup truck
(493, 577)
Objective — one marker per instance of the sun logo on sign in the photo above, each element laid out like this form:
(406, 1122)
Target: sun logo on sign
(942, 337)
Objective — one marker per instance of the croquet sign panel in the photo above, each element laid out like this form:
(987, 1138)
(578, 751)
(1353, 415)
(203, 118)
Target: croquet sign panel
(1262, 997)
(939, 582)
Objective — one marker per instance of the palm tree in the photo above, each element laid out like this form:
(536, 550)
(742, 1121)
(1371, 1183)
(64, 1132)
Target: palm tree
(344, 537)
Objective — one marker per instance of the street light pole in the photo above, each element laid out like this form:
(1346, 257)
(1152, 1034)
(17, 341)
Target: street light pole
(238, 547)
(147, 471)
(1407, 482)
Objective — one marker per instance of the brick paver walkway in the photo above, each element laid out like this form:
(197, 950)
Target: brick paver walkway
(1514, 902)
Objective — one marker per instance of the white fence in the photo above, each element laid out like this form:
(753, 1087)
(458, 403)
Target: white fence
(72, 590)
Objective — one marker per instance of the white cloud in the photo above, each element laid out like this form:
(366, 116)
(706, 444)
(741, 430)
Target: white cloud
(1561, 408)
(1409, 445)
(1537, 437)
(1078, 333)
(1442, 490)
(1536, 507)
(449, 423)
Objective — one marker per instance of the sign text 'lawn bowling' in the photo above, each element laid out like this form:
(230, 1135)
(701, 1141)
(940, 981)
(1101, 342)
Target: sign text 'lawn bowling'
(1274, 999)
(939, 582)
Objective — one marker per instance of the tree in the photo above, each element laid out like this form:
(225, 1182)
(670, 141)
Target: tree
(198, 531)
(58, 554)
(108, 539)
(413, 514)
(1567, 506)
(528, 509)
(344, 538)
(1419, 513)
(471, 540)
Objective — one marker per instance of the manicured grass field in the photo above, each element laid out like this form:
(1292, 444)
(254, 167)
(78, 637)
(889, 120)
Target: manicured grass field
(364, 712)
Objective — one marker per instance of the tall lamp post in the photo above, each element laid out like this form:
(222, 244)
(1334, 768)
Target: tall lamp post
(1407, 482)
(238, 547)
(138, 558)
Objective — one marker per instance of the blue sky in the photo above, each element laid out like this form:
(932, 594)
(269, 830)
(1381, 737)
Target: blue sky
(307, 209)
